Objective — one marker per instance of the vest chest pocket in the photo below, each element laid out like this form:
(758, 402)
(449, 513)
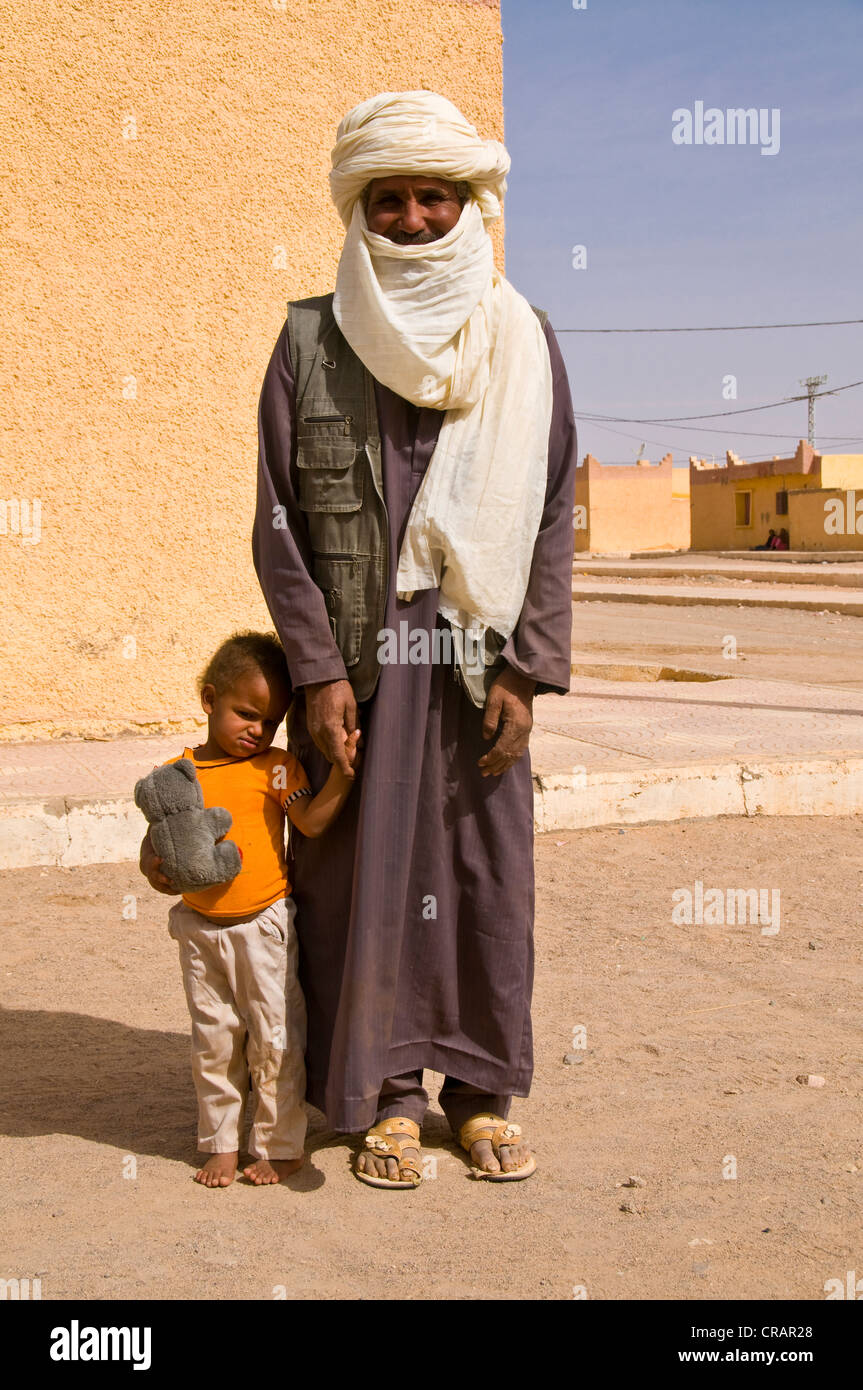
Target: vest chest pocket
(342, 581)
(329, 464)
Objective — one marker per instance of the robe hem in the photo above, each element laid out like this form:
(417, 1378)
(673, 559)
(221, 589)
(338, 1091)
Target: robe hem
(355, 1114)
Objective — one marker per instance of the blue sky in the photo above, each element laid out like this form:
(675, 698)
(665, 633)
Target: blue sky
(697, 234)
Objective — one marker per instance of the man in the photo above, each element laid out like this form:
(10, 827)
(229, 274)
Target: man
(416, 478)
(768, 544)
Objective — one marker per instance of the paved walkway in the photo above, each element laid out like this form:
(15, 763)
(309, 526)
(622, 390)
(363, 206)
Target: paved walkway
(846, 574)
(632, 589)
(612, 751)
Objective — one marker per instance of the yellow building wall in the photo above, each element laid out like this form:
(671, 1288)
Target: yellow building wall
(809, 516)
(581, 514)
(842, 470)
(632, 508)
(714, 525)
(166, 195)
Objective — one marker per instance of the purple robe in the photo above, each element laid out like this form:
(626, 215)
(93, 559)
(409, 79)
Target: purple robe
(415, 909)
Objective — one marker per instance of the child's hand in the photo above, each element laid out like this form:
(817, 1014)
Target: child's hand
(150, 866)
(352, 749)
(313, 816)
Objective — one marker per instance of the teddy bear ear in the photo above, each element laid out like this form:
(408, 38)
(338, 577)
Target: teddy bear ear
(187, 767)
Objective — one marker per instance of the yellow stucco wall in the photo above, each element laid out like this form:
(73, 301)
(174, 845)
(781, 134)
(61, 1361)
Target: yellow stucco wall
(842, 470)
(714, 525)
(168, 190)
(827, 519)
(632, 508)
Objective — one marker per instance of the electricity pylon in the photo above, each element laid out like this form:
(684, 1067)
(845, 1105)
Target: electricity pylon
(812, 383)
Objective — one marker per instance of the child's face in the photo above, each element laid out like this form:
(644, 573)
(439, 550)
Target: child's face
(243, 720)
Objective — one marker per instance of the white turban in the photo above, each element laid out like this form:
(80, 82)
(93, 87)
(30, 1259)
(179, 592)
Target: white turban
(414, 133)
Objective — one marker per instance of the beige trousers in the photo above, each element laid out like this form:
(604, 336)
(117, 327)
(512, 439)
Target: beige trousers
(248, 1018)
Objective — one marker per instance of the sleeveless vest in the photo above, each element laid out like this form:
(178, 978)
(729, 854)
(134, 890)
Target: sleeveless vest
(341, 494)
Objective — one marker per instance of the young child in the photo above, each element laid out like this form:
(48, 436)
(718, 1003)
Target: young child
(238, 947)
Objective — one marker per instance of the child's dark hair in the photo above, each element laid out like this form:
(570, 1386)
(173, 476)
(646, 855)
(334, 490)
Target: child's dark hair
(244, 652)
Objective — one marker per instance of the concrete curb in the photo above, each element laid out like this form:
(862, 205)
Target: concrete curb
(69, 832)
(695, 791)
(606, 569)
(825, 604)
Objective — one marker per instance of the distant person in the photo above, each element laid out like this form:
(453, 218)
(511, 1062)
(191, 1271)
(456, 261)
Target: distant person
(780, 542)
(769, 543)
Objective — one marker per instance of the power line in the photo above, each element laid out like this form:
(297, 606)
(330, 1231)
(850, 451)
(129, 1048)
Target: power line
(723, 328)
(712, 415)
(679, 449)
(718, 429)
(660, 444)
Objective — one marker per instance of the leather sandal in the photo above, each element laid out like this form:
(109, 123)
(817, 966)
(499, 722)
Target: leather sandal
(501, 1132)
(383, 1141)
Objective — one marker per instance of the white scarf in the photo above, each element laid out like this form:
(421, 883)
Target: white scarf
(440, 326)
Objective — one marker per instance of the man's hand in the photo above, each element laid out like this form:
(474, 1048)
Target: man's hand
(149, 864)
(331, 715)
(509, 708)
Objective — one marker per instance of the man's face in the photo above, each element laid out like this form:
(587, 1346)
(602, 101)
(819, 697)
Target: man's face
(412, 209)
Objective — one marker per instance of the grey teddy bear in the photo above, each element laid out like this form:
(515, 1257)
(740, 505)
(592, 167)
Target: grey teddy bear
(182, 833)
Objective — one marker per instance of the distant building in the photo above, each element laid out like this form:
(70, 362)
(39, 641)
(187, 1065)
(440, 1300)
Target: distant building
(624, 509)
(812, 496)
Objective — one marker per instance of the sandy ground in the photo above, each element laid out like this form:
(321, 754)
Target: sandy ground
(782, 644)
(695, 1035)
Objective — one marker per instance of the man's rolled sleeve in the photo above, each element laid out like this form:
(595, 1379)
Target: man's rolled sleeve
(540, 646)
(280, 542)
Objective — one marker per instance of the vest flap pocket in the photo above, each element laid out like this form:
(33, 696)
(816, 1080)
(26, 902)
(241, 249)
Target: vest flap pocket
(342, 582)
(330, 474)
(324, 427)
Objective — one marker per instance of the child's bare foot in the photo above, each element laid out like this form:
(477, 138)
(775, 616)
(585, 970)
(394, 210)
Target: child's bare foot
(266, 1170)
(218, 1171)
